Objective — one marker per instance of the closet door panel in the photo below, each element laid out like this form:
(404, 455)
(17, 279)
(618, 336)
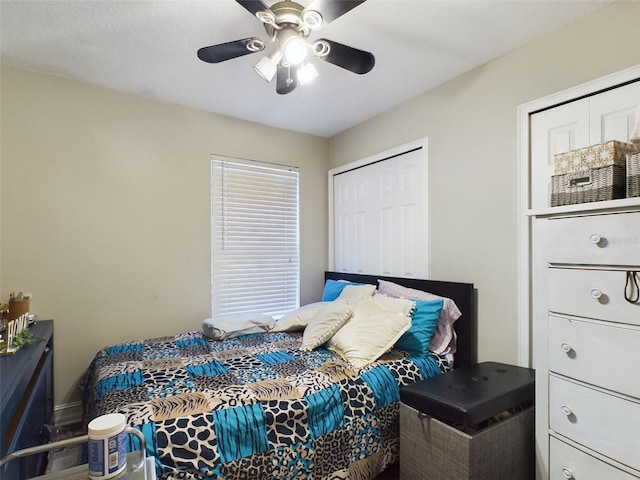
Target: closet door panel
(613, 114)
(348, 229)
(558, 130)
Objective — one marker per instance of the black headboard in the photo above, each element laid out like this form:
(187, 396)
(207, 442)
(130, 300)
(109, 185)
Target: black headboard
(461, 293)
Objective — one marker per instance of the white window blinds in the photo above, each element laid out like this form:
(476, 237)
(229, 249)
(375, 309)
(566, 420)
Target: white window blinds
(254, 237)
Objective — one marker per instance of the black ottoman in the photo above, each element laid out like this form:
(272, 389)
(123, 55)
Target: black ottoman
(475, 422)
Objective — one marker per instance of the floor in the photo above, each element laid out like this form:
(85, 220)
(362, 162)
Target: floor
(391, 473)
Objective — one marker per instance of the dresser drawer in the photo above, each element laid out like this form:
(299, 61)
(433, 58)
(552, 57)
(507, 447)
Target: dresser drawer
(567, 462)
(598, 239)
(598, 353)
(606, 423)
(591, 293)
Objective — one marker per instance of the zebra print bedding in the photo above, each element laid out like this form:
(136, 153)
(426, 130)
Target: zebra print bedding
(255, 406)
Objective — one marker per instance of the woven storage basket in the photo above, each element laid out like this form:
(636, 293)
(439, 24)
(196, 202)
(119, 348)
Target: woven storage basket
(633, 175)
(595, 185)
(595, 156)
(433, 450)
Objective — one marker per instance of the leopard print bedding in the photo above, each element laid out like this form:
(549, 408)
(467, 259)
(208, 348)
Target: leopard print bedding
(254, 407)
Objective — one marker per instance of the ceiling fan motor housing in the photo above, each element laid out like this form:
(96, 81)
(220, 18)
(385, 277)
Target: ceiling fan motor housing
(290, 14)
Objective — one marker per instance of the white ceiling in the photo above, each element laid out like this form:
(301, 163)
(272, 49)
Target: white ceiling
(149, 48)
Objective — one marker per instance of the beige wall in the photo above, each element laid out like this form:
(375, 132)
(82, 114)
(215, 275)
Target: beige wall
(471, 124)
(105, 211)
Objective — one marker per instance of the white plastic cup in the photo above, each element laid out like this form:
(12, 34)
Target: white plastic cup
(107, 446)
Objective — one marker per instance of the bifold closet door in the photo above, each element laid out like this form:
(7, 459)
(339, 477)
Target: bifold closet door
(380, 217)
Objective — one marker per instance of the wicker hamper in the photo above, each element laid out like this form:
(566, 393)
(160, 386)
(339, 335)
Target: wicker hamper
(472, 423)
(594, 185)
(633, 175)
(433, 450)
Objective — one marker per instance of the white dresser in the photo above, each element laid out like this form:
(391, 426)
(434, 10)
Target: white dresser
(583, 335)
(592, 348)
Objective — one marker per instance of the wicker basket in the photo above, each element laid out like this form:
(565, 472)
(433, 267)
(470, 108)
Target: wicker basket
(433, 450)
(633, 175)
(595, 185)
(595, 156)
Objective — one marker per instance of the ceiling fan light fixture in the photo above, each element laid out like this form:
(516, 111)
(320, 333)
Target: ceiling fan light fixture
(295, 50)
(266, 69)
(268, 66)
(307, 73)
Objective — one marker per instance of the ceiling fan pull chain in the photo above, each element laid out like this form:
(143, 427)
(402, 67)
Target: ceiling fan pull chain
(289, 79)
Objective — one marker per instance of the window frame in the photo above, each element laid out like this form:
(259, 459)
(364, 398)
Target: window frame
(255, 217)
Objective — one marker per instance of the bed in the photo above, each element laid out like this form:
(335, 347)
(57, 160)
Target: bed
(258, 406)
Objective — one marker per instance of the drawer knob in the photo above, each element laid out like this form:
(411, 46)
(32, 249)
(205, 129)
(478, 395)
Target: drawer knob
(566, 348)
(595, 238)
(567, 473)
(596, 293)
(567, 410)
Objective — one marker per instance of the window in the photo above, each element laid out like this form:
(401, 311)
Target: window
(254, 237)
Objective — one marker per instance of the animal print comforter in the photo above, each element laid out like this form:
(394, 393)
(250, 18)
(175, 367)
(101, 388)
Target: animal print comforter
(254, 407)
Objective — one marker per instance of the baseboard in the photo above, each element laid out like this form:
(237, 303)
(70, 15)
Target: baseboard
(67, 414)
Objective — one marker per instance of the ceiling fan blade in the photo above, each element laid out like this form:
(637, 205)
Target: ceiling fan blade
(332, 9)
(227, 51)
(349, 58)
(254, 6)
(286, 79)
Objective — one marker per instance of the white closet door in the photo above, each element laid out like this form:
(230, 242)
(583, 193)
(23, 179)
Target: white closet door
(380, 217)
(558, 130)
(350, 208)
(613, 114)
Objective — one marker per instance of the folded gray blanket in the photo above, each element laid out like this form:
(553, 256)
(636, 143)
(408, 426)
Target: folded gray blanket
(222, 327)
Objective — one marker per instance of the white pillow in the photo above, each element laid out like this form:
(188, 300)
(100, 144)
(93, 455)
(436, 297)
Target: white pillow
(353, 294)
(297, 319)
(325, 323)
(401, 306)
(370, 333)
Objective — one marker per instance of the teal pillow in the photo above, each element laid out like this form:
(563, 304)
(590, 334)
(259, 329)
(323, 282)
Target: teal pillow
(424, 321)
(333, 289)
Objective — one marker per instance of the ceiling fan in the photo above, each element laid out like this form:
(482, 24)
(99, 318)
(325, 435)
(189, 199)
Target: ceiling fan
(288, 25)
